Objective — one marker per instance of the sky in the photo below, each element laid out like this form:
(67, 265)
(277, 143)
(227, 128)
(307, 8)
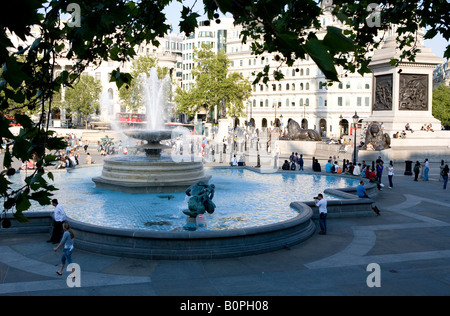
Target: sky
(173, 13)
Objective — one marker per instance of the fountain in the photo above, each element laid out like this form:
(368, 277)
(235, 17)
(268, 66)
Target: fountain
(156, 172)
(153, 172)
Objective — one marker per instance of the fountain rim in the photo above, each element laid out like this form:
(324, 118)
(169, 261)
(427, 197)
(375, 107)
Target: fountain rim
(150, 135)
(304, 214)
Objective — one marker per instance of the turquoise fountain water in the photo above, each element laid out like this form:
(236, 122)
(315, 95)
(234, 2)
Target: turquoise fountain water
(244, 199)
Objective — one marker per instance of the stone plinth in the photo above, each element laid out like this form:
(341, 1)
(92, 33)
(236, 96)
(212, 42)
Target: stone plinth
(403, 94)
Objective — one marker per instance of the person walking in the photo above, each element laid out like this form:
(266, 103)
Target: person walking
(427, 169)
(59, 216)
(300, 162)
(379, 170)
(67, 243)
(444, 174)
(321, 203)
(390, 170)
(441, 167)
(416, 170)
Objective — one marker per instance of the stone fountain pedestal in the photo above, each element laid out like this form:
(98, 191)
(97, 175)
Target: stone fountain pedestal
(151, 173)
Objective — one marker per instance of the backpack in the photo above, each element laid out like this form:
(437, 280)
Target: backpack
(292, 166)
(332, 168)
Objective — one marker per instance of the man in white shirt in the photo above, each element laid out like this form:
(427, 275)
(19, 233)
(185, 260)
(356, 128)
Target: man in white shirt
(233, 162)
(357, 170)
(321, 203)
(59, 216)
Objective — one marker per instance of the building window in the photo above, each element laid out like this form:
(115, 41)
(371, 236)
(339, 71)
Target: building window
(367, 101)
(307, 102)
(358, 101)
(339, 101)
(307, 86)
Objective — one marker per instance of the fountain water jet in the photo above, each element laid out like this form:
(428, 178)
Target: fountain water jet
(153, 172)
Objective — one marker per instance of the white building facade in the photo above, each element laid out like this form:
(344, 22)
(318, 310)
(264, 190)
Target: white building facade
(303, 94)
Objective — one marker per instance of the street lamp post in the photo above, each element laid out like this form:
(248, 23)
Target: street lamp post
(355, 122)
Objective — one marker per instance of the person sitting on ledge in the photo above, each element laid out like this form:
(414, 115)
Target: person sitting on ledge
(361, 192)
(233, 162)
(286, 166)
(408, 128)
(328, 166)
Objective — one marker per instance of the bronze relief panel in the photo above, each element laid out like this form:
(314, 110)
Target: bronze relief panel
(383, 93)
(413, 93)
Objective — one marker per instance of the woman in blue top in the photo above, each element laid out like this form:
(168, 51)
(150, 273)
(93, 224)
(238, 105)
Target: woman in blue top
(67, 242)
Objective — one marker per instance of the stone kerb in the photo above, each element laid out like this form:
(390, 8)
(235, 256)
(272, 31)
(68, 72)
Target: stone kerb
(195, 244)
(38, 222)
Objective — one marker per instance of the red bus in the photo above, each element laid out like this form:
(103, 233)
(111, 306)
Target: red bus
(132, 120)
(12, 121)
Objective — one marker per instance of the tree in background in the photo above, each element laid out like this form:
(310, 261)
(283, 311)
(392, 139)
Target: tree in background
(441, 104)
(215, 89)
(83, 98)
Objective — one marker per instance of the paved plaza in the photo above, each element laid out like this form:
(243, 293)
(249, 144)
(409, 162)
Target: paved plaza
(409, 242)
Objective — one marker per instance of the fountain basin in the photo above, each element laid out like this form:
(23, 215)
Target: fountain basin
(138, 174)
(195, 244)
(152, 136)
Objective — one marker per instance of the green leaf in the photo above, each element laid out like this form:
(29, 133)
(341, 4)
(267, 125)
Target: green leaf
(18, 215)
(318, 52)
(43, 197)
(337, 42)
(22, 202)
(188, 21)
